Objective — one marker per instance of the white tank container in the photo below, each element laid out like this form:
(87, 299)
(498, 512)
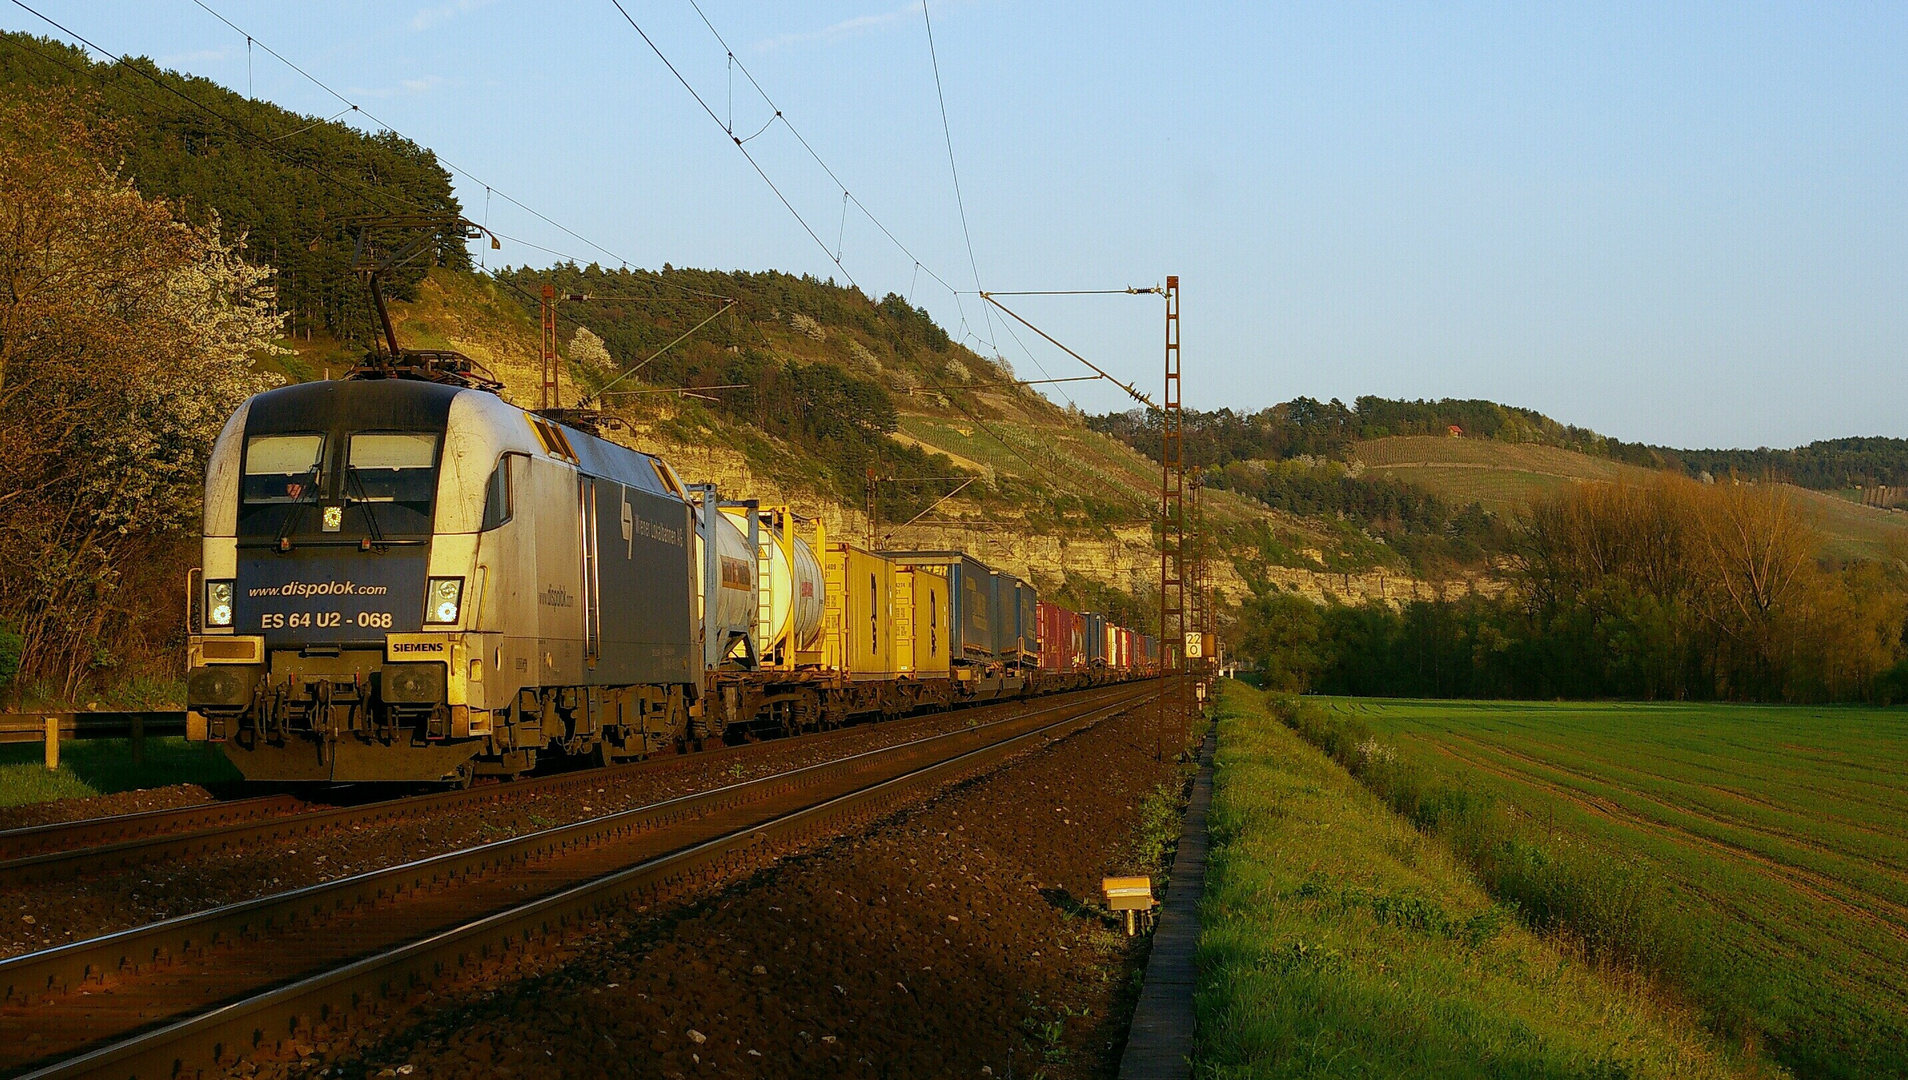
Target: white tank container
(735, 597)
(795, 592)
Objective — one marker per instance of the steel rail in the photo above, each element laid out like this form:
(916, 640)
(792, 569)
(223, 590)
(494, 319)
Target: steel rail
(68, 972)
(59, 861)
(97, 831)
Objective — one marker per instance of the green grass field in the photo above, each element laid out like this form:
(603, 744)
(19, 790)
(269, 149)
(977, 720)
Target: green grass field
(1762, 850)
(103, 766)
(1338, 941)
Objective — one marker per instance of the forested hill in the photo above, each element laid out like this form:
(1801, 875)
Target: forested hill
(1330, 431)
(290, 183)
(822, 368)
(1825, 465)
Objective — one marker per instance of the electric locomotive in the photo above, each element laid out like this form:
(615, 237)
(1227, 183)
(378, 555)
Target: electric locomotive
(389, 563)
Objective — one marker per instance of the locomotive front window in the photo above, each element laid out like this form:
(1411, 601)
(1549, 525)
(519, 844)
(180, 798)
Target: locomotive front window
(391, 480)
(283, 468)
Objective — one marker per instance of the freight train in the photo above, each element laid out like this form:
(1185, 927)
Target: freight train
(406, 578)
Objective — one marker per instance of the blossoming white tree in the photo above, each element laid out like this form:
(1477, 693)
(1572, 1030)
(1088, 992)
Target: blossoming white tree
(127, 336)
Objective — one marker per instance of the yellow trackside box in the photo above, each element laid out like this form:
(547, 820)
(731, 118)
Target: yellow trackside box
(920, 621)
(858, 622)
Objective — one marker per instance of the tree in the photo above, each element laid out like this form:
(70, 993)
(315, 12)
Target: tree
(1280, 633)
(126, 339)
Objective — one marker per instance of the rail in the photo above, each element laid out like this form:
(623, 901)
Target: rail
(101, 845)
(687, 838)
(72, 837)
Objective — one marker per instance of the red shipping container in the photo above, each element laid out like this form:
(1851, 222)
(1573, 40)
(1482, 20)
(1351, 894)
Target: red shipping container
(1059, 637)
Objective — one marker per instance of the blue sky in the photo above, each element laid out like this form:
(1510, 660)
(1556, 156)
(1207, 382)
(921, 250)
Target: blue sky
(1683, 224)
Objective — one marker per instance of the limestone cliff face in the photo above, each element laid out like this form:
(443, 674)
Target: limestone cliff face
(1124, 559)
(1321, 586)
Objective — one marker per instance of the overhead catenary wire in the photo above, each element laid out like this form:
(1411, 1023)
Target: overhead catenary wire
(1128, 291)
(679, 340)
(778, 115)
(388, 196)
(384, 195)
(1133, 391)
(452, 166)
(1053, 466)
(733, 63)
(759, 171)
(960, 203)
(489, 190)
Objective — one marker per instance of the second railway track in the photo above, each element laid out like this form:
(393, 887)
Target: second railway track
(76, 849)
(191, 992)
(72, 836)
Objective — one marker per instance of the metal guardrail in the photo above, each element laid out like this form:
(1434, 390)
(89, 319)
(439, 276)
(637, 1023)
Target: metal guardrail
(30, 727)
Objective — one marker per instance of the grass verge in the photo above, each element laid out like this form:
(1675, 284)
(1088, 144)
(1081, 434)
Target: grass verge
(1339, 941)
(103, 766)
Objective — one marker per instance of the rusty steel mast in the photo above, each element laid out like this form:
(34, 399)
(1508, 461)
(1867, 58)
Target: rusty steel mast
(550, 396)
(1172, 528)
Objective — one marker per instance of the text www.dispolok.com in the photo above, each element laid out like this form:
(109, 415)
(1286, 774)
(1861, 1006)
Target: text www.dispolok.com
(319, 588)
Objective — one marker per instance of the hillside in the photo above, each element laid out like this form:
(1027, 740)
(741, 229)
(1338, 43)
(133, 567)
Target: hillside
(1049, 498)
(291, 184)
(837, 386)
(840, 403)
(1504, 477)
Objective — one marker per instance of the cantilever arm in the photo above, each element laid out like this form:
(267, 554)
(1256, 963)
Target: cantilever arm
(1132, 391)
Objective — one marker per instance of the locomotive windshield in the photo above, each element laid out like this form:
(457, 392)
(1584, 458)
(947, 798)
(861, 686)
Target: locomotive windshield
(305, 486)
(282, 468)
(391, 479)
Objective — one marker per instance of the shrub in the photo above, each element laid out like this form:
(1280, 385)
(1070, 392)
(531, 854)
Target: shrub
(10, 645)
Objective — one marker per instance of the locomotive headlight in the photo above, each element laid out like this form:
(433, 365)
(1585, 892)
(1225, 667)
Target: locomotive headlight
(218, 603)
(442, 599)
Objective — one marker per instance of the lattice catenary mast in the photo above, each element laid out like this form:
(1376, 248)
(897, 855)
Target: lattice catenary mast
(1172, 530)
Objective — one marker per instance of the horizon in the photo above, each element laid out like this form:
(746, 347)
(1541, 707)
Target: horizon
(1679, 229)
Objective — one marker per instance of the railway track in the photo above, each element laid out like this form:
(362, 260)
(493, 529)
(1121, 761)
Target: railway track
(66, 836)
(269, 974)
(101, 845)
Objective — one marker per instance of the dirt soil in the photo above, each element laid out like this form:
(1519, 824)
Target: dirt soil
(59, 811)
(963, 938)
(53, 913)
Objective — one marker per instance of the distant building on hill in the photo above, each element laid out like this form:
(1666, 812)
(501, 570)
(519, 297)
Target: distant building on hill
(1456, 432)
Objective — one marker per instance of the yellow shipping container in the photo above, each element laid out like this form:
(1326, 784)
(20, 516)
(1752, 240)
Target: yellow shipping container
(858, 621)
(920, 622)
